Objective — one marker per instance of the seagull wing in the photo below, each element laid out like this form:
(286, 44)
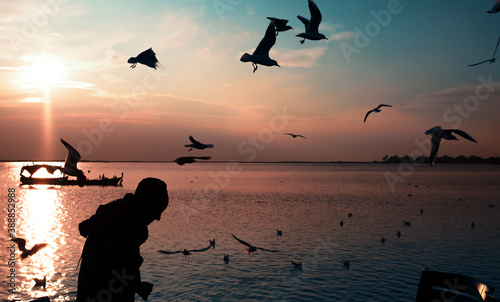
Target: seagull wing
(201, 250)
(168, 252)
(479, 63)
(263, 249)
(37, 247)
(498, 42)
(203, 157)
(241, 241)
(72, 157)
(304, 20)
(368, 113)
(301, 136)
(315, 17)
(383, 105)
(21, 243)
(435, 140)
(464, 135)
(267, 42)
(193, 140)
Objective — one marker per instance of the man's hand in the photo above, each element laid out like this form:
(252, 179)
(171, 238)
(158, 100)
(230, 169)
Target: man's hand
(144, 290)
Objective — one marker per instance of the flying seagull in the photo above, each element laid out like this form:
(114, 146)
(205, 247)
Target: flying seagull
(70, 164)
(252, 249)
(190, 159)
(197, 145)
(147, 57)
(280, 24)
(493, 59)
(438, 133)
(261, 53)
(294, 135)
(375, 110)
(495, 8)
(187, 253)
(21, 243)
(311, 25)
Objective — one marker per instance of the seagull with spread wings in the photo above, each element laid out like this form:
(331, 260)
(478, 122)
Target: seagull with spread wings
(187, 253)
(252, 249)
(147, 57)
(294, 135)
(312, 25)
(261, 53)
(21, 243)
(375, 110)
(438, 133)
(190, 159)
(71, 162)
(197, 145)
(492, 60)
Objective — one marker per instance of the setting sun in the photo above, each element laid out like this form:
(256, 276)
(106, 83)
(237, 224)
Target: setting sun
(44, 72)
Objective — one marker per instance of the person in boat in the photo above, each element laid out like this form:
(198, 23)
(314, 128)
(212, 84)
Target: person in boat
(111, 256)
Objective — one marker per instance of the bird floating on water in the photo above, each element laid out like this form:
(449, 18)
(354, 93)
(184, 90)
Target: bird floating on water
(493, 58)
(226, 258)
(197, 145)
(71, 162)
(190, 159)
(21, 243)
(377, 109)
(438, 133)
(279, 233)
(40, 282)
(311, 25)
(398, 233)
(280, 24)
(147, 57)
(495, 9)
(261, 53)
(252, 249)
(294, 135)
(297, 265)
(346, 264)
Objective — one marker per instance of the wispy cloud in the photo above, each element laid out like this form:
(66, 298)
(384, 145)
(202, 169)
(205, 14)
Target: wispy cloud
(298, 57)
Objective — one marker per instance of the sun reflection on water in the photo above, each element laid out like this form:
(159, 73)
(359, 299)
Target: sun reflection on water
(40, 213)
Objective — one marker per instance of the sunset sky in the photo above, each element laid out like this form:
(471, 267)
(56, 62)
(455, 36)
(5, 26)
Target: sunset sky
(64, 74)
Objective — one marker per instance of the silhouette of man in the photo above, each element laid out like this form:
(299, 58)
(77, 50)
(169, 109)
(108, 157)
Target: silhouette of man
(111, 257)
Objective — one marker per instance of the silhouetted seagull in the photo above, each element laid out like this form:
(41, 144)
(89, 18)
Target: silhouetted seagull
(347, 264)
(341, 223)
(187, 252)
(408, 223)
(279, 233)
(40, 282)
(261, 53)
(226, 258)
(438, 134)
(382, 240)
(147, 57)
(280, 24)
(21, 243)
(375, 110)
(297, 265)
(70, 164)
(311, 25)
(349, 215)
(495, 8)
(294, 135)
(398, 234)
(252, 249)
(190, 159)
(492, 60)
(197, 145)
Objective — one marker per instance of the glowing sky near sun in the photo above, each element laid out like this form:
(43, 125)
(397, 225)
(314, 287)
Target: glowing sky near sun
(64, 74)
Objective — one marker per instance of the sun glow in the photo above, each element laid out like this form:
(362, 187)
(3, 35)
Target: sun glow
(45, 72)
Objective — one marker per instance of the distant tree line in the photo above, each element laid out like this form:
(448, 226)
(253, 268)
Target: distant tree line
(461, 159)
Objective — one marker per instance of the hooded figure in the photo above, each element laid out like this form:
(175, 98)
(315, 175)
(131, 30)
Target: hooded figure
(111, 257)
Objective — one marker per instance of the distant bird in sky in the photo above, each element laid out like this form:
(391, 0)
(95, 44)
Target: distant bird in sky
(261, 53)
(495, 8)
(280, 24)
(438, 133)
(197, 145)
(375, 110)
(147, 57)
(312, 25)
(21, 243)
(252, 249)
(493, 59)
(294, 135)
(190, 159)
(70, 164)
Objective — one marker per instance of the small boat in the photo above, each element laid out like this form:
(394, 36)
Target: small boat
(63, 180)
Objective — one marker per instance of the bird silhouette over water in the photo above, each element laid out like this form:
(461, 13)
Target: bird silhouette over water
(279, 233)
(346, 263)
(40, 282)
(71, 162)
(311, 25)
(294, 135)
(21, 243)
(147, 57)
(493, 58)
(226, 258)
(280, 24)
(187, 252)
(252, 249)
(197, 145)
(438, 133)
(297, 265)
(495, 9)
(190, 159)
(261, 53)
(377, 109)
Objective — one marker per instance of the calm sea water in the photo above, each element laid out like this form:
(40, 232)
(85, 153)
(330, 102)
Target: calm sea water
(305, 201)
